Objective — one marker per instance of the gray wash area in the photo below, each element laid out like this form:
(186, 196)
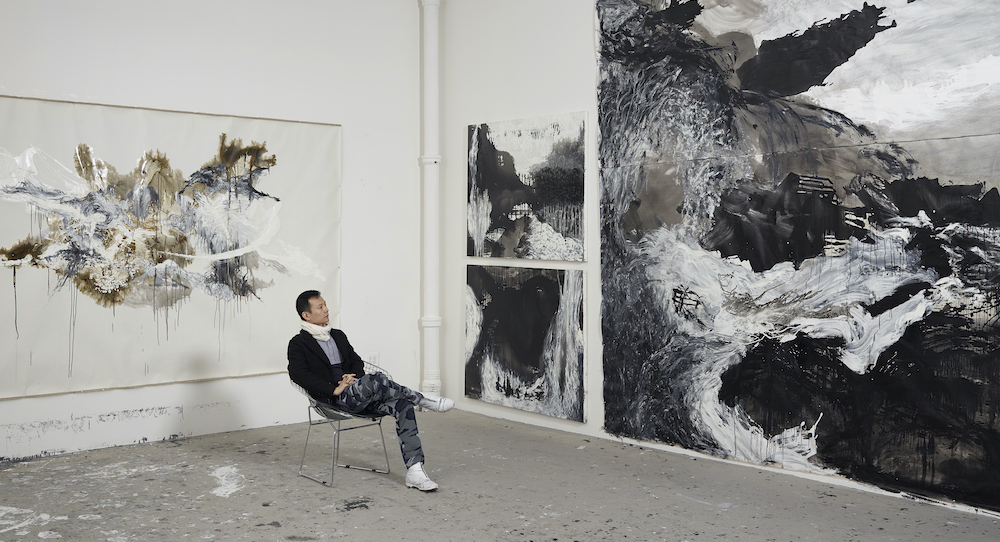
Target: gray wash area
(500, 480)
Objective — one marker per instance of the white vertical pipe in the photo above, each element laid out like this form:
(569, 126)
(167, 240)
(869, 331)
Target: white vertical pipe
(430, 161)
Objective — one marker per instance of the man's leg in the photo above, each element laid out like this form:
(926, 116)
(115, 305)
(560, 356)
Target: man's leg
(377, 393)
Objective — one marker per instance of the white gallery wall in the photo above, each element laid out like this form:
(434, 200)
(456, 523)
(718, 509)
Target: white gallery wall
(355, 64)
(511, 60)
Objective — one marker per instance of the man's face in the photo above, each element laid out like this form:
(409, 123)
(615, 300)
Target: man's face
(318, 313)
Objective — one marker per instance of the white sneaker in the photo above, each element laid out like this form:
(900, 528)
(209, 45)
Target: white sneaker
(416, 477)
(436, 404)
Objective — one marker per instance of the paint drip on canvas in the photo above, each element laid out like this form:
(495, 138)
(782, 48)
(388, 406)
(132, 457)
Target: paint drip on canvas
(800, 249)
(148, 237)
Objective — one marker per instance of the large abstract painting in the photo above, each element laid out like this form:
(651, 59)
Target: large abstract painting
(526, 188)
(524, 339)
(132, 238)
(171, 226)
(800, 235)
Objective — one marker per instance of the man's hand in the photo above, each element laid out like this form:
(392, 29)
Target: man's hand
(348, 379)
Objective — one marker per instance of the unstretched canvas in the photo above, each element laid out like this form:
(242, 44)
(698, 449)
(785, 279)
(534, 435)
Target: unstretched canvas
(800, 235)
(524, 339)
(526, 188)
(144, 247)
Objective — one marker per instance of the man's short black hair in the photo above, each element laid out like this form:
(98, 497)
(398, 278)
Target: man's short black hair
(302, 302)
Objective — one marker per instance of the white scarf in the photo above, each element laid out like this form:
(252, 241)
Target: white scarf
(320, 333)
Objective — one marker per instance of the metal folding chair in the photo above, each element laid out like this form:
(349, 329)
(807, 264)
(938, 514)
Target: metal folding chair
(328, 414)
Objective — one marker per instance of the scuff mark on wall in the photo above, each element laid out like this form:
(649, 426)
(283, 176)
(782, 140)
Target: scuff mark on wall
(18, 433)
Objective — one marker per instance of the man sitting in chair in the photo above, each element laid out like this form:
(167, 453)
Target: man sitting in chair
(322, 361)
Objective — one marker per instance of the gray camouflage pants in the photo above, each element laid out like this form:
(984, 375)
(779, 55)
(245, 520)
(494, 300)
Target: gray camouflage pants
(377, 393)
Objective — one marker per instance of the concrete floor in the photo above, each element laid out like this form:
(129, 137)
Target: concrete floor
(499, 480)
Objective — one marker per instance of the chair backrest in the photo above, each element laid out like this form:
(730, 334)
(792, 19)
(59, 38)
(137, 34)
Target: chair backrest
(371, 368)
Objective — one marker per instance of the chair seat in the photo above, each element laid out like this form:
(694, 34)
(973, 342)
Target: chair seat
(333, 413)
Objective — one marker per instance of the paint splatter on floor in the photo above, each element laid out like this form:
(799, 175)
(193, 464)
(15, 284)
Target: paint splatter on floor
(230, 481)
(499, 481)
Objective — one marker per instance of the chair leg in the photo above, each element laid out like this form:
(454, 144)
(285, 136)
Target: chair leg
(305, 448)
(385, 450)
(336, 450)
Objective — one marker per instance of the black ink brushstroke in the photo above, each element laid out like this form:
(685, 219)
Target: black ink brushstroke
(789, 223)
(559, 185)
(794, 63)
(496, 175)
(236, 169)
(944, 204)
(923, 418)
(515, 322)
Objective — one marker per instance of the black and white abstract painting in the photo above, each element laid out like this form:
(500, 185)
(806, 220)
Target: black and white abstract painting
(526, 188)
(524, 339)
(800, 235)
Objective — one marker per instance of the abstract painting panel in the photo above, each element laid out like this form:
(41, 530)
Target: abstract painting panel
(176, 230)
(526, 188)
(800, 247)
(524, 339)
(136, 238)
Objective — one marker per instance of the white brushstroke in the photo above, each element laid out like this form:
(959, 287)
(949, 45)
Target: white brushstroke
(867, 336)
(530, 141)
(542, 242)
(824, 298)
(479, 205)
(492, 372)
(915, 103)
(883, 84)
(562, 353)
(36, 162)
(230, 481)
(473, 322)
(479, 211)
(293, 258)
(244, 229)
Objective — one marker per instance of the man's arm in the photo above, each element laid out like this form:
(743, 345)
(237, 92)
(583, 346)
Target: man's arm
(302, 374)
